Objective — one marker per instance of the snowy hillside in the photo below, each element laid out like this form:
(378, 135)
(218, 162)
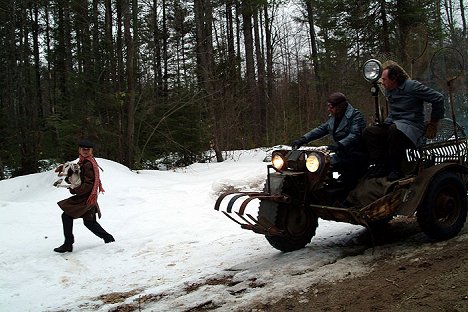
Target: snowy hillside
(173, 251)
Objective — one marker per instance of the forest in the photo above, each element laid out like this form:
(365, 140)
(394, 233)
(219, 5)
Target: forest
(166, 81)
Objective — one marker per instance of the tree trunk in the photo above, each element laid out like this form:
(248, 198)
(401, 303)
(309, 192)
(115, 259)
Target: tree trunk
(269, 53)
(109, 45)
(61, 69)
(205, 66)
(250, 68)
(130, 98)
(27, 101)
(231, 54)
(260, 124)
(313, 42)
(158, 76)
(463, 18)
(165, 51)
(97, 65)
(385, 32)
(449, 14)
(37, 63)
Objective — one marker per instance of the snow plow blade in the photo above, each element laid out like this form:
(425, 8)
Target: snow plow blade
(237, 208)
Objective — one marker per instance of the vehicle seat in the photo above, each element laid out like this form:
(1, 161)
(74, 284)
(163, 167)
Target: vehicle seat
(442, 148)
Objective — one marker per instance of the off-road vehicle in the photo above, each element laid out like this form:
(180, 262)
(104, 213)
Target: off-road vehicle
(301, 186)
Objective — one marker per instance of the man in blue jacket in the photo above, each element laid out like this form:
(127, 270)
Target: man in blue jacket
(345, 126)
(404, 127)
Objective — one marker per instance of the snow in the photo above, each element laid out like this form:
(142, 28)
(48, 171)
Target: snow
(173, 251)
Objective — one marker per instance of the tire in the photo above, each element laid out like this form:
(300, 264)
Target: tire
(298, 222)
(443, 212)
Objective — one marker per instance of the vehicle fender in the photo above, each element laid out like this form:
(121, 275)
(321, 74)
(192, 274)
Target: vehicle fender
(414, 196)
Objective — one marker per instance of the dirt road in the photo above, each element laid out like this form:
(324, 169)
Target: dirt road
(409, 273)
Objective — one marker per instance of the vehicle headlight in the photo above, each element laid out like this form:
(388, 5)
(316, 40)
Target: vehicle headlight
(313, 162)
(372, 70)
(278, 161)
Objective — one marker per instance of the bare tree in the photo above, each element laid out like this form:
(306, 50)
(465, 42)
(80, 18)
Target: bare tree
(130, 98)
(313, 42)
(260, 103)
(205, 66)
(463, 18)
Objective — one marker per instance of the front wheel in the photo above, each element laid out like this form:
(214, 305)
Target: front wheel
(443, 212)
(296, 221)
(299, 225)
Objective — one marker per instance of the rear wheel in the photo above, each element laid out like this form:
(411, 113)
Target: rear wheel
(297, 222)
(444, 210)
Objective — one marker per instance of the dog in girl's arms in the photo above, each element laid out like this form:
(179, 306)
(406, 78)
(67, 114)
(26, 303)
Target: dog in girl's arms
(71, 172)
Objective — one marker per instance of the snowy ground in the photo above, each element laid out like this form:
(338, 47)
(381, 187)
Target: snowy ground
(173, 251)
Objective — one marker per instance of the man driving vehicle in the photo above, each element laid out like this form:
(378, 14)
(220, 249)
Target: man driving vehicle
(345, 126)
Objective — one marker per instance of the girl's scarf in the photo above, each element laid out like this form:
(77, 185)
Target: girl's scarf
(97, 186)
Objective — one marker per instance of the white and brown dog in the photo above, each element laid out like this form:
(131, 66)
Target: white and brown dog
(71, 171)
